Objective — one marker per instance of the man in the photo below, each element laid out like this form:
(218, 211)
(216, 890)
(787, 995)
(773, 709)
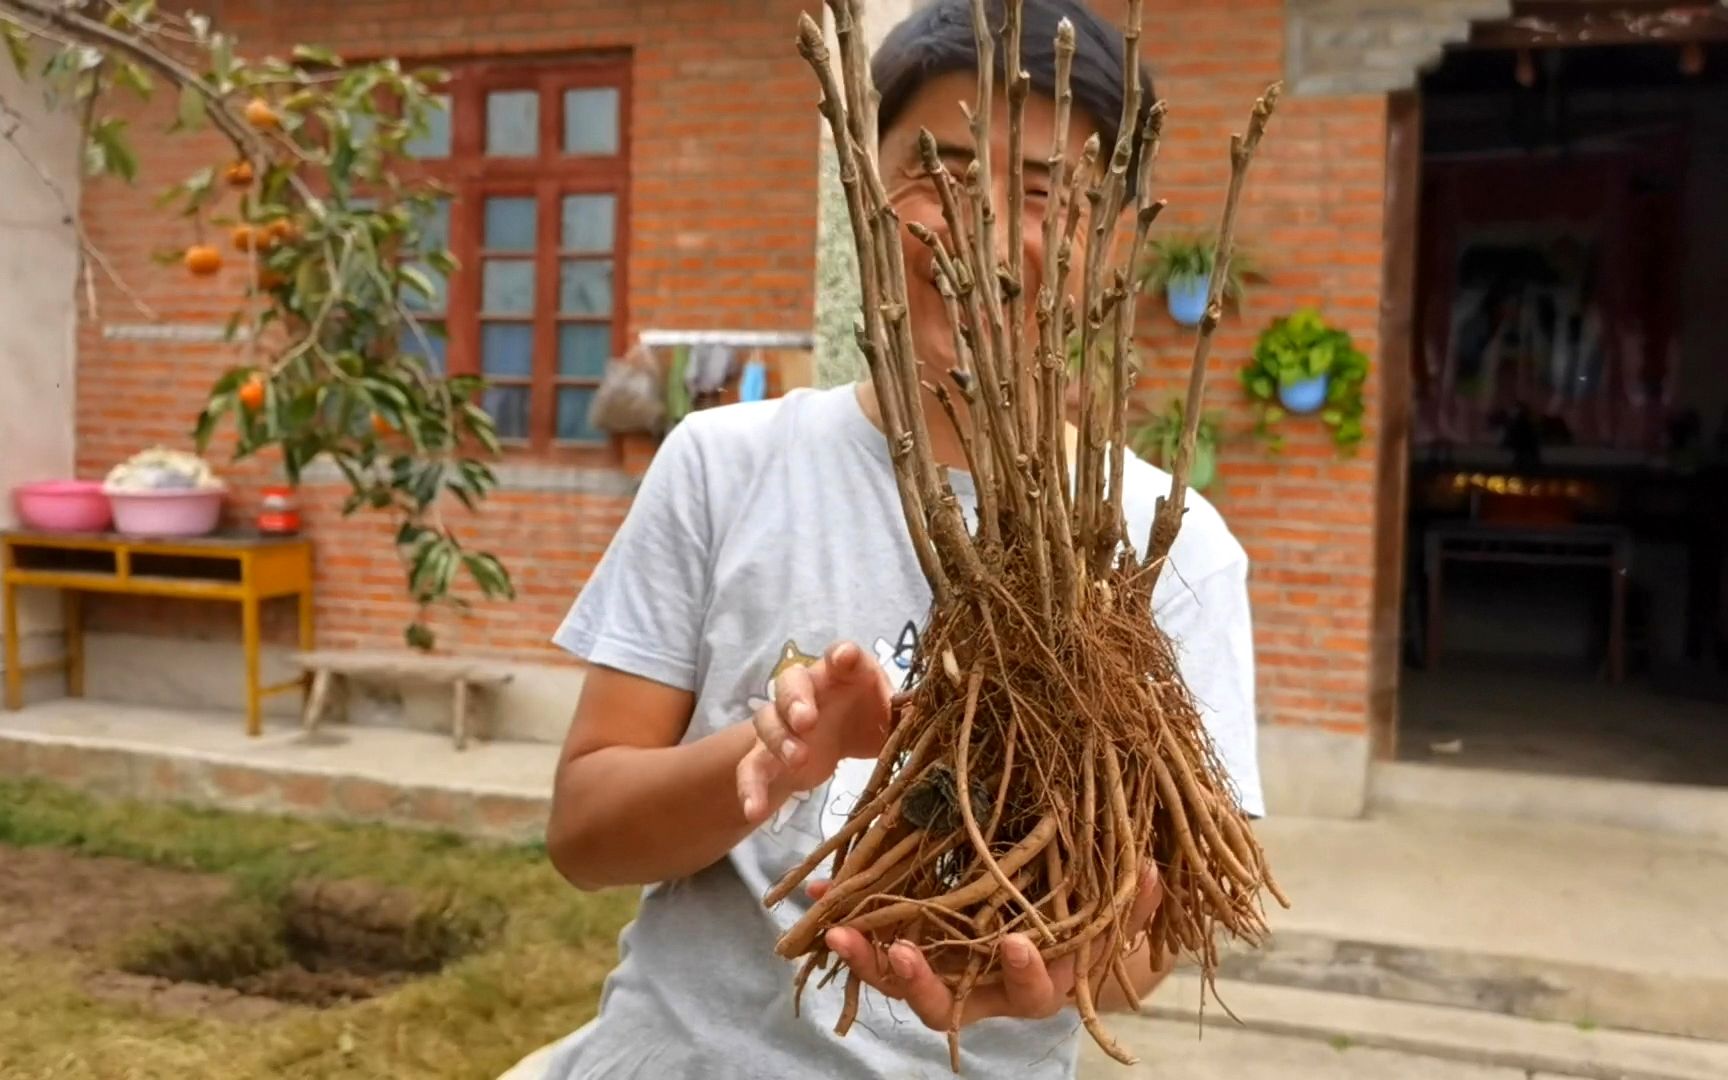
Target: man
(722, 733)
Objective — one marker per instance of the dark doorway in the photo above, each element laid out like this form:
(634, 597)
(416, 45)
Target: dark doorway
(1565, 606)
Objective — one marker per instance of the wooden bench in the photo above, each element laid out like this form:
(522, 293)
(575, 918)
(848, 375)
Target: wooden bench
(328, 670)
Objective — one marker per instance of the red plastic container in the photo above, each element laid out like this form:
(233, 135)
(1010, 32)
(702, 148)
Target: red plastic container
(77, 506)
(279, 512)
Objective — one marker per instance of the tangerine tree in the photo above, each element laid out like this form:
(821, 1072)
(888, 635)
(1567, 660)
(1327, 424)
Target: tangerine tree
(338, 248)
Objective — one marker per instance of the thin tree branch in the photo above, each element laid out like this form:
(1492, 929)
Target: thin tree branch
(89, 253)
(58, 22)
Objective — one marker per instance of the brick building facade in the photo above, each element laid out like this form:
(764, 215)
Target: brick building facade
(718, 225)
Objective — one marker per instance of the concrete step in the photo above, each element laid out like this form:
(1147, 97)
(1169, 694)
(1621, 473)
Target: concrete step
(1556, 922)
(351, 772)
(1673, 809)
(1289, 1034)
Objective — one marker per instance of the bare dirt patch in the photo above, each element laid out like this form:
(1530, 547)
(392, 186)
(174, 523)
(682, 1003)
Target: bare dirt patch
(53, 900)
(183, 942)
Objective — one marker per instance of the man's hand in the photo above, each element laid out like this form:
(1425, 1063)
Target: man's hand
(839, 707)
(1029, 990)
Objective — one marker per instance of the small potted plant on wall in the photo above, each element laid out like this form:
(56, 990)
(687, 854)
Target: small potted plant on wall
(1157, 438)
(1181, 268)
(1303, 365)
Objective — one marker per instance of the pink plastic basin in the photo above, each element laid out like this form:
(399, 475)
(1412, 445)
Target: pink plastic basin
(166, 512)
(63, 506)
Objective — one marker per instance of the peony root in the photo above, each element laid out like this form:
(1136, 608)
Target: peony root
(1049, 751)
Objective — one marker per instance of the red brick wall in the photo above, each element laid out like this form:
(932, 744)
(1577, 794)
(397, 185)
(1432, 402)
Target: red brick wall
(721, 101)
(1312, 219)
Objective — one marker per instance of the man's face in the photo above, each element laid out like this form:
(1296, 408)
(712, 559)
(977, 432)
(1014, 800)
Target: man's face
(936, 107)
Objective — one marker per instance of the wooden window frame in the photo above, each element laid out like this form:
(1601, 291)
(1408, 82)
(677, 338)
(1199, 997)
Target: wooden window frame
(470, 177)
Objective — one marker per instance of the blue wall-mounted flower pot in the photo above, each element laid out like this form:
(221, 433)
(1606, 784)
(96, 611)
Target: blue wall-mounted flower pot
(1187, 298)
(1304, 395)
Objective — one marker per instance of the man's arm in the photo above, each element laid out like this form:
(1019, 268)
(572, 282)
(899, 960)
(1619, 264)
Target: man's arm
(630, 804)
(633, 804)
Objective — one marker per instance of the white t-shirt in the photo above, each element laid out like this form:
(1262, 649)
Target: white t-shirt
(763, 533)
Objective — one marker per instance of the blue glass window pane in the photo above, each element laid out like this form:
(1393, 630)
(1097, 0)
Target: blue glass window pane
(589, 222)
(507, 349)
(434, 142)
(508, 407)
(585, 287)
(509, 224)
(591, 121)
(507, 287)
(573, 405)
(583, 350)
(513, 123)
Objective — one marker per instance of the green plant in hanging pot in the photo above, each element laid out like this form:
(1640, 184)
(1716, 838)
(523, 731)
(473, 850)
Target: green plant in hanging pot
(1303, 365)
(1181, 268)
(1157, 437)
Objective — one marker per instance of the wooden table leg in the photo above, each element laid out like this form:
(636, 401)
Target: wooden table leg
(251, 634)
(14, 661)
(460, 719)
(308, 639)
(72, 603)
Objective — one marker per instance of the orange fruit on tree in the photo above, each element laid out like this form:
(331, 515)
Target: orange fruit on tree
(244, 237)
(238, 174)
(261, 115)
(381, 426)
(271, 279)
(283, 231)
(252, 393)
(202, 259)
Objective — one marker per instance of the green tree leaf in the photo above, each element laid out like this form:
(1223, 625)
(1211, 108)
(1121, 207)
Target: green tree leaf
(134, 78)
(222, 62)
(490, 575)
(17, 44)
(416, 279)
(191, 114)
(107, 150)
(208, 419)
(316, 54)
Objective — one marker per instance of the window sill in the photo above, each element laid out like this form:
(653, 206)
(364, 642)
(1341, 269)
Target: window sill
(629, 453)
(614, 468)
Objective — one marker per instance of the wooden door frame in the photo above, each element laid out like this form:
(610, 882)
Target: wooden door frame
(1400, 233)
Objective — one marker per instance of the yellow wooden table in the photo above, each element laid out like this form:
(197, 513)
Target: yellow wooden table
(244, 569)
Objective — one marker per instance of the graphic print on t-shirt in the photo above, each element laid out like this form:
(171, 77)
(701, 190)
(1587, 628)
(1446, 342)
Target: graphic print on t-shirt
(818, 819)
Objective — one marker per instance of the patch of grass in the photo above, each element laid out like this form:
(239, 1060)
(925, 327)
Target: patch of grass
(221, 945)
(1340, 1043)
(535, 976)
(1585, 1024)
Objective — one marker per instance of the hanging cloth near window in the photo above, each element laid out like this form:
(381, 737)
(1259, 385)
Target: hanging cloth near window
(753, 384)
(711, 367)
(678, 385)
